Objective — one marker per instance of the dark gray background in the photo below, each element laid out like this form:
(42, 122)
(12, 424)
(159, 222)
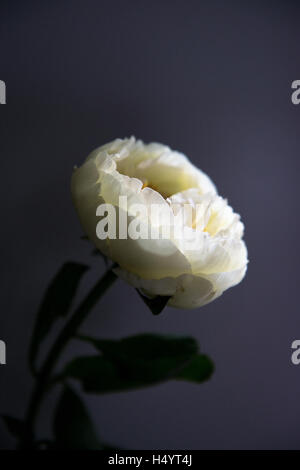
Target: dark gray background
(212, 79)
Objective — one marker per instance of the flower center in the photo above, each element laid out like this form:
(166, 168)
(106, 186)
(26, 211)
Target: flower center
(146, 184)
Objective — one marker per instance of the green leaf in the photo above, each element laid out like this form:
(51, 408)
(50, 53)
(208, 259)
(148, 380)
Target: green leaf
(73, 428)
(56, 303)
(146, 346)
(157, 304)
(199, 369)
(96, 374)
(135, 362)
(15, 426)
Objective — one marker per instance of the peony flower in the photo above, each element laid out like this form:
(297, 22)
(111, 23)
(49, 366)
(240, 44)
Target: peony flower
(193, 269)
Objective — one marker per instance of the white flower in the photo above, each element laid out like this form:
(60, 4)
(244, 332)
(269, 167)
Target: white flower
(150, 174)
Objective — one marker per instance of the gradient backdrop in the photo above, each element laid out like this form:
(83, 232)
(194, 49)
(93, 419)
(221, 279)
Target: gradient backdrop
(209, 78)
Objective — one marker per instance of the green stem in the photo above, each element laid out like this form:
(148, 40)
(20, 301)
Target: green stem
(68, 332)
